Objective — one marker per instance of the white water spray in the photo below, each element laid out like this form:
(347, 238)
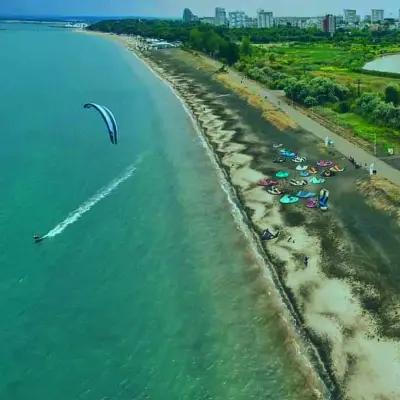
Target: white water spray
(92, 201)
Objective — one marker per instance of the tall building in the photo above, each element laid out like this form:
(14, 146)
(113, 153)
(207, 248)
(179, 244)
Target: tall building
(265, 19)
(299, 22)
(377, 15)
(220, 16)
(237, 19)
(250, 22)
(207, 20)
(329, 24)
(350, 16)
(339, 20)
(188, 16)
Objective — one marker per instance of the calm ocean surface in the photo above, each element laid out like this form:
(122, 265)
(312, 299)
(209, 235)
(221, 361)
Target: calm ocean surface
(151, 293)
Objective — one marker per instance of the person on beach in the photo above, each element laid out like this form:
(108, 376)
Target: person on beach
(371, 169)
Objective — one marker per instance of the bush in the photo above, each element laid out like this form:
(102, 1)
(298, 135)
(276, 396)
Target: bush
(371, 106)
(343, 107)
(310, 101)
(322, 90)
(392, 94)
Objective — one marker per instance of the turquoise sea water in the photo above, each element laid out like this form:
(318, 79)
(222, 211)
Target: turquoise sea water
(152, 293)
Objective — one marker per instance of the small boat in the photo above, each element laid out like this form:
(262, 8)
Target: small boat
(304, 174)
(275, 191)
(311, 203)
(327, 173)
(295, 182)
(287, 153)
(325, 163)
(277, 146)
(336, 168)
(267, 182)
(301, 167)
(316, 181)
(282, 174)
(312, 170)
(278, 160)
(299, 159)
(306, 195)
(289, 199)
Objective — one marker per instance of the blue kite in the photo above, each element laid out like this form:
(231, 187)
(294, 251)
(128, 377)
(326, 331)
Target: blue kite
(108, 119)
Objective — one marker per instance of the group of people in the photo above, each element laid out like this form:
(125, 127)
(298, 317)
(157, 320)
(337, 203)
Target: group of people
(372, 169)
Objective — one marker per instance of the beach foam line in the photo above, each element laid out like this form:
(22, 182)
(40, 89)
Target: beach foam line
(92, 201)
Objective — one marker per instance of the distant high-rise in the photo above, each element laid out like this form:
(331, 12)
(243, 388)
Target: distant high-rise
(377, 15)
(237, 19)
(188, 16)
(220, 16)
(265, 19)
(329, 24)
(250, 22)
(350, 16)
(339, 20)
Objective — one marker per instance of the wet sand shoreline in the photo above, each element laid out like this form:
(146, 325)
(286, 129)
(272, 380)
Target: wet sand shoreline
(347, 337)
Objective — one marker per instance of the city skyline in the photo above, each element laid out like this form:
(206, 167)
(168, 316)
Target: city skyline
(173, 8)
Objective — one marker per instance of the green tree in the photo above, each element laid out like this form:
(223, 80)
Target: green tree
(212, 42)
(245, 47)
(229, 52)
(196, 39)
(392, 94)
(310, 101)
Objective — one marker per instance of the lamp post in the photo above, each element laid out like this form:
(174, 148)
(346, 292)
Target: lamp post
(375, 143)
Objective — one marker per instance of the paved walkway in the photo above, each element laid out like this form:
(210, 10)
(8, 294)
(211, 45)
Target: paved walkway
(341, 144)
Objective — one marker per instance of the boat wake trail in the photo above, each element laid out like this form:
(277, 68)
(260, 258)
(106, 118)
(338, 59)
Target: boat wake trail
(92, 201)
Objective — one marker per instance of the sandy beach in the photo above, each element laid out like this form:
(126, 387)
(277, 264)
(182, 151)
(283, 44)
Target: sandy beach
(342, 308)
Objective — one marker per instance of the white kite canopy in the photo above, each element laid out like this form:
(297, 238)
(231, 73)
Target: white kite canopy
(108, 118)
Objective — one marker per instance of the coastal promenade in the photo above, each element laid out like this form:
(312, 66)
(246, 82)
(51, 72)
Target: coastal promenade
(344, 146)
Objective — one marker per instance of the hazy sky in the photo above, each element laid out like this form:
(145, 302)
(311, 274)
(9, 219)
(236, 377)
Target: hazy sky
(173, 8)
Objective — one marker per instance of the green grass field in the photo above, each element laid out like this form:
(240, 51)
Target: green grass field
(385, 137)
(339, 63)
(309, 54)
(368, 83)
(332, 61)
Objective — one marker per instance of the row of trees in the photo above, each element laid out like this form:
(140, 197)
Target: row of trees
(304, 90)
(177, 30)
(315, 91)
(166, 30)
(209, 41)
(382, 110)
